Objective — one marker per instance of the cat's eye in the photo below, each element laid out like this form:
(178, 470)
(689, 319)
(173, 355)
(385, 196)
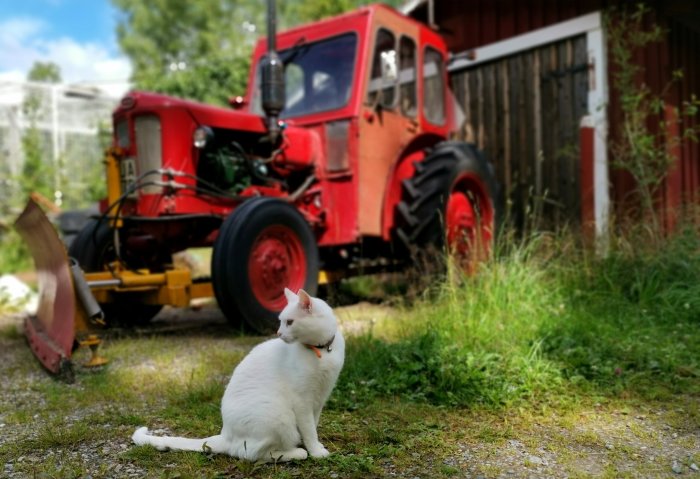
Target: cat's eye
(289, 322)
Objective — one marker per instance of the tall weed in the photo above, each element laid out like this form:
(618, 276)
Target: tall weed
(14, 255)
(470, 340)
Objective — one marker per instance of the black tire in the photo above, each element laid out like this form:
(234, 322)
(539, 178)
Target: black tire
(93, 248)
(251, 292)
(421, 215)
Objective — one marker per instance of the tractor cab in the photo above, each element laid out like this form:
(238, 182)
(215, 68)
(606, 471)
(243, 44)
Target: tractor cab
(372, 85)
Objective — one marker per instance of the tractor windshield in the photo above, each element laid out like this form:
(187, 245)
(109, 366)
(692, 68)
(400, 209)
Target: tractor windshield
(318, 76)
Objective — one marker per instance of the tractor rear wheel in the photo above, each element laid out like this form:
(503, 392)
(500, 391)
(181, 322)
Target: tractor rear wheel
(264, 246)
(451, 203)
(93, 248)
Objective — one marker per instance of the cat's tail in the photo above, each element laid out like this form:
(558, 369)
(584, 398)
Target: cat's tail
(215, 444)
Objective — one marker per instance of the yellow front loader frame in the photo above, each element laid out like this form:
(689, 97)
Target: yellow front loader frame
(173, 287)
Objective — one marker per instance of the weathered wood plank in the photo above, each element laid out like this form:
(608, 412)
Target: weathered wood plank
(525, 112)
(564, 139)
(505, 137)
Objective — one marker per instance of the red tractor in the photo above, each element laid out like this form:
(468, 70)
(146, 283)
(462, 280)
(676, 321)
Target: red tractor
(336, 160)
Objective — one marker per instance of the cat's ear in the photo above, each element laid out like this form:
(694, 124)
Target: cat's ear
(305, 300)
(290, 295)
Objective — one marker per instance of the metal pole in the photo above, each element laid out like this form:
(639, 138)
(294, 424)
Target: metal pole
(271, 26)
(272, 77)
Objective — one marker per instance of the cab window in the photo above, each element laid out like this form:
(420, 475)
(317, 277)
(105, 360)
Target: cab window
(318, 76)
(382, 82)
(407, 76)
(433, 87)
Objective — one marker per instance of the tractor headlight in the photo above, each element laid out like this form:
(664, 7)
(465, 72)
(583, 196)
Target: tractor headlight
(202, 136)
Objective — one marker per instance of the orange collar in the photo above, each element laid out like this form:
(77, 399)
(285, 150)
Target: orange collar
(318, 347)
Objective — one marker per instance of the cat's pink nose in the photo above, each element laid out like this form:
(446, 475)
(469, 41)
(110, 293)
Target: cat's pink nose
(279, 334)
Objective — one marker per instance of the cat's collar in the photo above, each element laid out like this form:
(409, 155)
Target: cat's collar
(316, 348)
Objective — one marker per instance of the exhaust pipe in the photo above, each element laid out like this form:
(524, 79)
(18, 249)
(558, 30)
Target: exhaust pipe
(273, 97)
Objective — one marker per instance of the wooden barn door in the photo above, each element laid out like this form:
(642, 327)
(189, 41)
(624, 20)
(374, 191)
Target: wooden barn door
(524, 110)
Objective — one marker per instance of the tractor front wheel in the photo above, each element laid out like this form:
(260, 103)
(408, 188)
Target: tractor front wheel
(264, 246)
(451, 203)
(93, 248)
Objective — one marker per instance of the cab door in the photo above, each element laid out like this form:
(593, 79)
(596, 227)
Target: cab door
(389, 115)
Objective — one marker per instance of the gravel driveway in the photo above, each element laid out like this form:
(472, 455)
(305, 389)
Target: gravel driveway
(599, 440)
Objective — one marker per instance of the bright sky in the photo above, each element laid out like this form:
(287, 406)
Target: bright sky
(78, 35)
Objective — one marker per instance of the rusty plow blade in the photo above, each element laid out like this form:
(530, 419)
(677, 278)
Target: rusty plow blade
(60, 317)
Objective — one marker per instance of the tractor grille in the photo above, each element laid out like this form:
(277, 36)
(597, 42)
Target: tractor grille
(148, 150)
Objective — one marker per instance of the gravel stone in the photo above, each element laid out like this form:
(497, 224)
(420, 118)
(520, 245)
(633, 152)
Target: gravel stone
(676, 467)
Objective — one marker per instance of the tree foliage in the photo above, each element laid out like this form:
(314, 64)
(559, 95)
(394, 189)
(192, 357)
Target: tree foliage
(196, 50)
(310, 10)
(37, 173)
(37, 169)
(45, 72)
(201, 50)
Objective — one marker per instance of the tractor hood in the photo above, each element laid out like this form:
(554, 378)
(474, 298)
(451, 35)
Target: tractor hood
(136, 102)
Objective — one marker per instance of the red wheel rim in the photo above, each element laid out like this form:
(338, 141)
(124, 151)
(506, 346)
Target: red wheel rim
(277, 261)
(469, 220)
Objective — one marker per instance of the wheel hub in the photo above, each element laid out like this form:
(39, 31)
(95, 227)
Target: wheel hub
(272, 263)
(469, 218)
(461, 222)
(277, 261)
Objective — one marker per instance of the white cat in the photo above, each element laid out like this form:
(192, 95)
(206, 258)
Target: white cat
(273, 402)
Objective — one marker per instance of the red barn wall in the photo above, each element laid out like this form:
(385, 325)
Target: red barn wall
(684, 52)
(678, 51)
(467, 24)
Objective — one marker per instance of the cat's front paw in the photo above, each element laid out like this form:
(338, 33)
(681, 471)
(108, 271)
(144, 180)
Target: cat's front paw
(319, 451)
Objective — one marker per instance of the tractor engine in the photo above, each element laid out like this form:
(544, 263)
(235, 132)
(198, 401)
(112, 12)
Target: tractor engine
(179, 168)
(223, 164)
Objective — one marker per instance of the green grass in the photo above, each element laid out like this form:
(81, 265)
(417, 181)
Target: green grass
(14, 255)
(547, 345)
(539, 321)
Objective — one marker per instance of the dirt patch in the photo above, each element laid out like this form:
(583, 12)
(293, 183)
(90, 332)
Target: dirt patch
(601, 441)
